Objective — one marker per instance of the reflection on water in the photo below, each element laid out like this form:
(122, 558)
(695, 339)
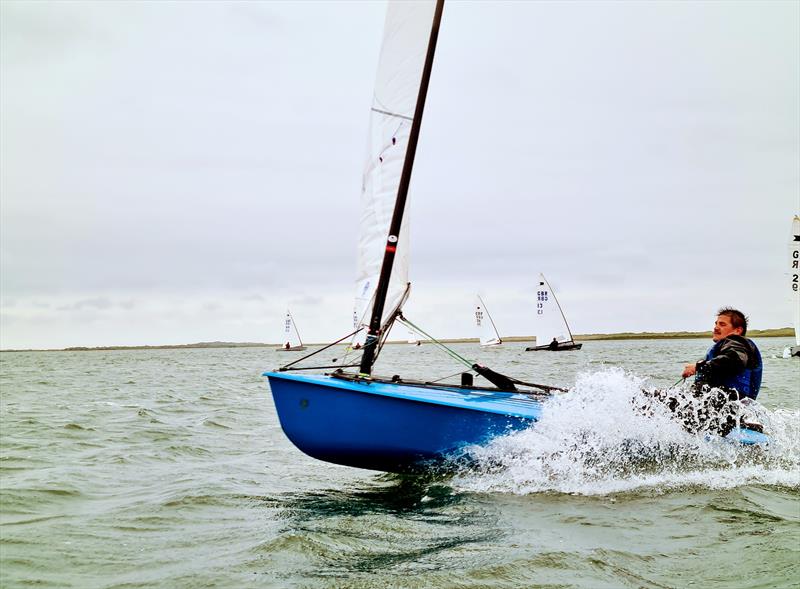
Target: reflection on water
(403, 496)
(394, 523)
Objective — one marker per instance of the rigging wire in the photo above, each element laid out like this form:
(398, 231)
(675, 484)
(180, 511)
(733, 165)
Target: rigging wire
(315, 352)
(447, 350)
(349, 350)
(472, 365)
(380, 342)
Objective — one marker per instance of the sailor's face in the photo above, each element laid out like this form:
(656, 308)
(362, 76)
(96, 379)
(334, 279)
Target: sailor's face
(723, 328)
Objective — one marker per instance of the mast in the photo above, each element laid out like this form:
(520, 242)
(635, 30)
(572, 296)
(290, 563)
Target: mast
(373, 335)
(296, 331)
(496, 333)
(494, 327)
(560, 310)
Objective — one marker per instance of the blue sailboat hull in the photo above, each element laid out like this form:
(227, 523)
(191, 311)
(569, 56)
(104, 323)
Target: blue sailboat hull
(391, 427)
(403, 428)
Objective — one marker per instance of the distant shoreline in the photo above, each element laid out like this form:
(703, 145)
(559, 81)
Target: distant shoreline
(780, 332)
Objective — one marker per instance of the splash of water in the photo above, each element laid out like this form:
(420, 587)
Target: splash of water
(596, 439)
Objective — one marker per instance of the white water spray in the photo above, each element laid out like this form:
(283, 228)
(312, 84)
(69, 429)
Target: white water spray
(596, 440)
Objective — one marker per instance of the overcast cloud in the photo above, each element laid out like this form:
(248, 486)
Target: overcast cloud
(175, 172)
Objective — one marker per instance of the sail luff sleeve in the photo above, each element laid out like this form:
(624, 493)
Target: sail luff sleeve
(369, 355)
(397, 84)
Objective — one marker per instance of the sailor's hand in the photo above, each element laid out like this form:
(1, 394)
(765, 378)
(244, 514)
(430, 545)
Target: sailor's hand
(689, 370)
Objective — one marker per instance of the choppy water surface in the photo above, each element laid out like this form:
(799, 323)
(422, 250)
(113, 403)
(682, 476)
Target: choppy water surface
(168, 468)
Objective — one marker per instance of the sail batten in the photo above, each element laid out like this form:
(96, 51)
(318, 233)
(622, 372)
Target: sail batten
(391, 114)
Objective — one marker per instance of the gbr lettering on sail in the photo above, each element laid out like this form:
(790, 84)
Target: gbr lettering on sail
(794, 254)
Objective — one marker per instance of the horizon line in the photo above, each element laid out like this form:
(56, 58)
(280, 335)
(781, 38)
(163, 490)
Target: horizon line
(770, 332)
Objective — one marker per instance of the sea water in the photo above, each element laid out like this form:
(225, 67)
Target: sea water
(168, 468)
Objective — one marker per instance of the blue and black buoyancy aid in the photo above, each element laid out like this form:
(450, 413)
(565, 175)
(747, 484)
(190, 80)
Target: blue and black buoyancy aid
(748, 381)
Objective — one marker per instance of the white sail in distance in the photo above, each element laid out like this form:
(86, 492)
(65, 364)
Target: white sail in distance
(487, 332)
(291, 337)
(794, 276)
(550, 321)
(405, 41)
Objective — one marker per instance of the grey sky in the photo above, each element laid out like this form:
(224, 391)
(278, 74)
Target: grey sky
(177, 172)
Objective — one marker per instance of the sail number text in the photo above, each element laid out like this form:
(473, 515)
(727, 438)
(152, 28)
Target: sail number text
(541, 297)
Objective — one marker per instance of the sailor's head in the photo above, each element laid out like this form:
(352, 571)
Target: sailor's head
(729, 322)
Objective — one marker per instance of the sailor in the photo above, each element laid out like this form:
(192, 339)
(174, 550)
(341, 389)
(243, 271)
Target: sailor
(733, 362)
(553, 345)
(730, 371)
(287, 346)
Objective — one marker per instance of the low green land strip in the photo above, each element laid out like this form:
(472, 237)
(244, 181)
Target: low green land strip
(780, 332)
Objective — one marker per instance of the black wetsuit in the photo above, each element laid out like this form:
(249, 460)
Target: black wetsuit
(730, 371)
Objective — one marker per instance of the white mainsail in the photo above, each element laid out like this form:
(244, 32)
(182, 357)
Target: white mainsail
(486, 328)
(291, 337)
(405, 41)
(550, 321)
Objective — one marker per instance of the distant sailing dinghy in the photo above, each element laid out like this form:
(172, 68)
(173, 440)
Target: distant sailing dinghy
(487, 331)
(552, 331)
(794, 286)
(291, 337)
